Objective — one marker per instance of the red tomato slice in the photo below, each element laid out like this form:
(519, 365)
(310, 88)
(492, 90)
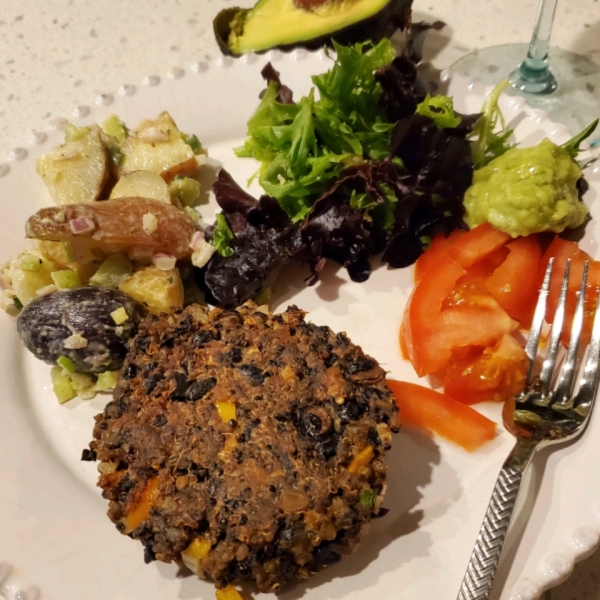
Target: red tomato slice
(562, 250)
(441, 317)
(423, 407)
(436, 252)
(479, 273)
(497, 372)
(512, 284)
(420, 322)
(477, 244)
(477, 325)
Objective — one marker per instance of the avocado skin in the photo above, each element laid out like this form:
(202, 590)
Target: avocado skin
(373, 28)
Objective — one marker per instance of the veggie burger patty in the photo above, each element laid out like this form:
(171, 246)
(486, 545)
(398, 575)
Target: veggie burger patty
(247, 445)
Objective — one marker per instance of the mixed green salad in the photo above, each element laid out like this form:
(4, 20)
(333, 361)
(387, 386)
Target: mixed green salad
(367, 163)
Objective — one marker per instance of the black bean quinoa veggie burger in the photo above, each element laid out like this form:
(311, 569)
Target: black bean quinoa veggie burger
(247, 445)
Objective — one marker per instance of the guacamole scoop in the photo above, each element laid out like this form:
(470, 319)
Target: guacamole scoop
(527, 190)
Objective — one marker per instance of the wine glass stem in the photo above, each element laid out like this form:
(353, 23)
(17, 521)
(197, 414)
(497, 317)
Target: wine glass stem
(534, 75)
(540, 41)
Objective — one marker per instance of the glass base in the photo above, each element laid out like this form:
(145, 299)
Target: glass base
(575, 101)
(533, 80)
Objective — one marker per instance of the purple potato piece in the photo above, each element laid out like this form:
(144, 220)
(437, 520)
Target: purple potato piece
(77, 323)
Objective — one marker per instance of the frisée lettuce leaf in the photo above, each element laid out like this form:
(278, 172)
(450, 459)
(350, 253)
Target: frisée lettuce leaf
(440, 109)
(490, 136)
(302, 147)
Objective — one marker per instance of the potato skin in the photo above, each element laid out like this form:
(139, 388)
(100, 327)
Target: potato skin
(46, 322)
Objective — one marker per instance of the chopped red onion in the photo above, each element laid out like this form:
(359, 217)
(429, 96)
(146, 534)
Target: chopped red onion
(82, 225)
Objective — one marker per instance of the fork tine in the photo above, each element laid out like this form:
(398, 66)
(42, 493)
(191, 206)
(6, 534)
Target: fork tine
(565, 380)
(557, 326)
(591, 372)
(533, 339)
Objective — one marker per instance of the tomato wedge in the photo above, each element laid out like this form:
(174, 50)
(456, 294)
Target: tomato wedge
(436, 252)
(496, 372)
(512, 284)
(473, 289)
(440, 318)
(424, 407)
(477, 244)
(421, 316)
(562, 250)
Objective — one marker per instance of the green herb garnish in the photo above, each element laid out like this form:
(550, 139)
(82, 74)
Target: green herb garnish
(222, 235)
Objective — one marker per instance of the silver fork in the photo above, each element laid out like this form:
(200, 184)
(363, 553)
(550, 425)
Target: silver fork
(545, 413)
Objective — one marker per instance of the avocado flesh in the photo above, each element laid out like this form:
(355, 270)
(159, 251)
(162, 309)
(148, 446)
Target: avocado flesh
(281, 24)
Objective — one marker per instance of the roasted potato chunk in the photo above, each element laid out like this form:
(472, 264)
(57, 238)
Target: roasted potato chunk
(60, 254)
(142, 184)
(158, 291)
(76, 171)
(117, 226)
(28, 273)
(157, 146)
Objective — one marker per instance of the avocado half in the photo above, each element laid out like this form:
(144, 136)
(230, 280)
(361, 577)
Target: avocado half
(285, 24)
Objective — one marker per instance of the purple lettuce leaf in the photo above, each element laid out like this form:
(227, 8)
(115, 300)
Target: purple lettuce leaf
(402, 88)
(284, 93)
(264, 240)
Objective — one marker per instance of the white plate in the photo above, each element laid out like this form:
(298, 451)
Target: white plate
(55, 540)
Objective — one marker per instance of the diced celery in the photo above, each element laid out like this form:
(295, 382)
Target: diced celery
(186, 189)
(84, 385)
(74, 134)
(69, 250)
(115, 154)
(114, 127)
(193, 142)
(107, 380)
(66, 363)
(66, 279)
(61, 383)
(18, 304)
(192, 213)
(29, 262)
(113, 271)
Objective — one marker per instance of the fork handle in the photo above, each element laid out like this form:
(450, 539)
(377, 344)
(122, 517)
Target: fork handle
(481, 570)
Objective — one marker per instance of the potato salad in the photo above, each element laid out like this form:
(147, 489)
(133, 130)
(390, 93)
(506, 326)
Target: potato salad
(120, 242)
